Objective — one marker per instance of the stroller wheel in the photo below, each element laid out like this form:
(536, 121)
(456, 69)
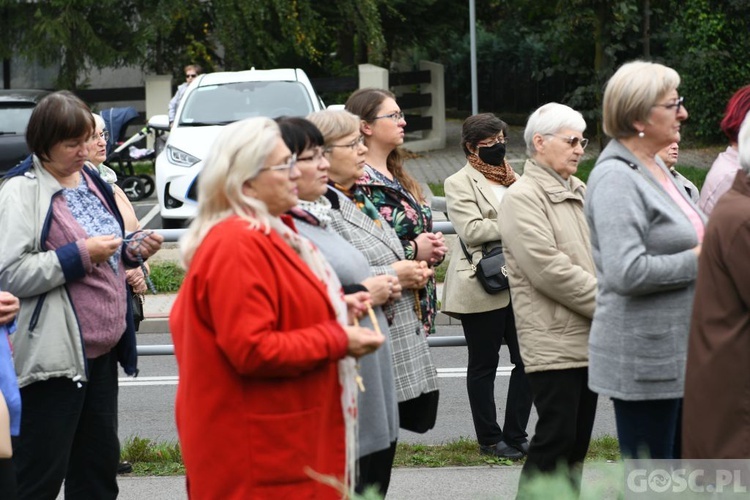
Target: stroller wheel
(148, 184)
(133, 187)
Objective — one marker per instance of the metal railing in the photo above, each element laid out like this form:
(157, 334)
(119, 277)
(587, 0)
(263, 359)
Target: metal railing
(438, 204)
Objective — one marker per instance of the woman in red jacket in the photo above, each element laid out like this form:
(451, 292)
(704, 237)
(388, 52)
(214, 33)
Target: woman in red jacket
(266, 403)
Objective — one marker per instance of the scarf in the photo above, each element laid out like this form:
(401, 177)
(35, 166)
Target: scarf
(315, 213)
(503, 174)
(310, 254)
(107, 173)
(362, 202)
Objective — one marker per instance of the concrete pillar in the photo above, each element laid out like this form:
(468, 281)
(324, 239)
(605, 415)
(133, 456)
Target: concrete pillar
(436, 87)
(158, 95)
(373, 76)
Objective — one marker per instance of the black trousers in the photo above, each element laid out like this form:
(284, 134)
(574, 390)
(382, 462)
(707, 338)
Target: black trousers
(566, 409)
(70, 433)
(375, 470)
(649, 429)
(484, 333)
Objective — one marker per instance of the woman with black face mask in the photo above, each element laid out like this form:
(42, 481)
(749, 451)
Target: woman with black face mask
(473, 195)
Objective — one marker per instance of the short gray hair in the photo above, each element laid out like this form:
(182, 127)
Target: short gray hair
(632, 92)
(549, 119)
(744, 144)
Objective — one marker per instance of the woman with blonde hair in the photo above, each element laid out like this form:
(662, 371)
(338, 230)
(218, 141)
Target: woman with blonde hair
(646, 236)
(358, 221)
(396, 194)
(266, 403)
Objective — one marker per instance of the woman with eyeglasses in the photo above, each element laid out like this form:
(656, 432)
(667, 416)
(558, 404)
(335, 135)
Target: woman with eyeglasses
(266, 404)
(97, 155)
(64, 252)
(377, 406)
(646, 236)
(553, 287)
(669, 156)
(473, 196)
(396, 194)
(355, 217)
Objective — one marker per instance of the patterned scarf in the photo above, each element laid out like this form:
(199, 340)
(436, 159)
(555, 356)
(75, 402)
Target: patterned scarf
(310, 254)
(503, 174)
(315, 213)
(363, 202)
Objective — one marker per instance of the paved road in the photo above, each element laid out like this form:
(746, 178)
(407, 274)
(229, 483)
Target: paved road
(147, 402)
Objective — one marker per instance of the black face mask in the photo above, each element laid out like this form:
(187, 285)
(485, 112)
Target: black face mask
(492, 155)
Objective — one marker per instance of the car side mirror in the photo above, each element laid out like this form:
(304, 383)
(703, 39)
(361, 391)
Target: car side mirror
(159, 122)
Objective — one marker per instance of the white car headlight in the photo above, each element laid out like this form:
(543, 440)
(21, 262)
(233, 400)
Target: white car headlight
(181, 158)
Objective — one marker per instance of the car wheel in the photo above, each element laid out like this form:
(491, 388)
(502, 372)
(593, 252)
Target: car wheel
(133, 187)
(148, 184)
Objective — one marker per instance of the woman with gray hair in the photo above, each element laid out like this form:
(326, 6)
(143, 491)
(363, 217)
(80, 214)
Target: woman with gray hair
(646, 235)
(718, 372)
(266, 403)
(553, 287)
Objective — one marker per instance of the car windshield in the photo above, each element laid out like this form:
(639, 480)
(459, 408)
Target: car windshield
(222, 104)
(14, 117)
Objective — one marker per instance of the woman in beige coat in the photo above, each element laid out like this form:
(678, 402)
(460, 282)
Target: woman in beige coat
(553, 286)
(473, 197)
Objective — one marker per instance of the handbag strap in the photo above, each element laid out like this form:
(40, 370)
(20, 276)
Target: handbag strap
(469, 256)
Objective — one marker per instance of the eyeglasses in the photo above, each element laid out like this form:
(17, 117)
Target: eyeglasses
(104, 135)
(289, 165)
(677, 104)
(352, 145)
(396, 116)
(316, 156)
(573, 140)
(188, 76)
(500, 139)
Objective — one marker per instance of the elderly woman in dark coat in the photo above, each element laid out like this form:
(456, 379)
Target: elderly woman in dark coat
(717, 379)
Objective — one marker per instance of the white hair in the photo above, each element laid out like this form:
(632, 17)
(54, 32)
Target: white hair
(236, 156)
(99, 121)
(743, 139)
(550, 119)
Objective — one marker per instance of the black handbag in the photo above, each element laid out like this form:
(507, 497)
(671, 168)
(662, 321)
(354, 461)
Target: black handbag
(490, 270)
(137, 301)
(419, 414)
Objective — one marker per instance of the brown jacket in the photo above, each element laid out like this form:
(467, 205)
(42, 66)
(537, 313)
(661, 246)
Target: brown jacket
(552, 277)
(716, 414)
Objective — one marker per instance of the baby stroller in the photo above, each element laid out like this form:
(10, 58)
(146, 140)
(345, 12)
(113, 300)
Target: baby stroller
(121, 153)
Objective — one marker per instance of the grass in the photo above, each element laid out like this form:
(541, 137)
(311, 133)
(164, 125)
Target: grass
(153, 459)
(150, 458)
(167, 276)
(437, 188)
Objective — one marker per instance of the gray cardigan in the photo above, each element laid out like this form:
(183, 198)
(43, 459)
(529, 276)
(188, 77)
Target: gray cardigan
(642, 245)
(377, 406)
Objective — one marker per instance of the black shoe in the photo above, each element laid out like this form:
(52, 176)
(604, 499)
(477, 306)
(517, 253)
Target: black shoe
(522, 447)
(501, 450)
(125, 468)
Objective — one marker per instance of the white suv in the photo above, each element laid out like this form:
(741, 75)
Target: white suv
(210, 102)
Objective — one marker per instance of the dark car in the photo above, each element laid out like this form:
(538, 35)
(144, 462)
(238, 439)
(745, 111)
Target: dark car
(15, 110)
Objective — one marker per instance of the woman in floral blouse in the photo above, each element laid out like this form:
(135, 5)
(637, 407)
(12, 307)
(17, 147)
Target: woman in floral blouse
(395, 193)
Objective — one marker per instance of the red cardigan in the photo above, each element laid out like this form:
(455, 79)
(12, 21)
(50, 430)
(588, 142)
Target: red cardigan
(257, 345)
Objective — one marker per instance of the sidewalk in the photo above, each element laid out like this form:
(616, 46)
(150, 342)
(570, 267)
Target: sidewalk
(455, 483)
